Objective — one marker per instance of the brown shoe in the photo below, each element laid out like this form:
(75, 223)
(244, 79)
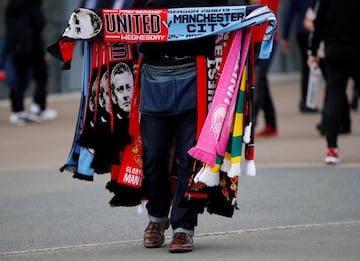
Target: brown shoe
(154, 234)
(181, 243)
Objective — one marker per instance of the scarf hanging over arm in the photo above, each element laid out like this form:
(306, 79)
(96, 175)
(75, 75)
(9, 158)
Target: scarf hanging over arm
(71, 163)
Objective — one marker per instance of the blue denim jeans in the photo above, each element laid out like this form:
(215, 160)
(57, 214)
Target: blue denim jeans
(158, 130)
(168, 89)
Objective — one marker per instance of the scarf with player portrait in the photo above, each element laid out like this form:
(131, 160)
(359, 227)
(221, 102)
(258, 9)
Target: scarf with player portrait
(103, 119)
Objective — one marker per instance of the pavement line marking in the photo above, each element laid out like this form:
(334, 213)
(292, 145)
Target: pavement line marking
(276, 228)
(233, 232)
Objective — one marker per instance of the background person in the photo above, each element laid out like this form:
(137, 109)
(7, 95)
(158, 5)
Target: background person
(24, 22)
(345, 126)
(342, 60)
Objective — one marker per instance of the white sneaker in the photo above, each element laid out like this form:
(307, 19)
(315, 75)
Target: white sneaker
(34, 108)
(18, 118)
(48, 115)
(36, 115)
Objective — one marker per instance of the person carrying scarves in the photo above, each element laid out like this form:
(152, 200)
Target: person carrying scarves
(168, 111)
(168, 75)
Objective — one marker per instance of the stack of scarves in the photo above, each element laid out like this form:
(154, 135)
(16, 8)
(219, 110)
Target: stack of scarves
(218, 151)
(106, 143)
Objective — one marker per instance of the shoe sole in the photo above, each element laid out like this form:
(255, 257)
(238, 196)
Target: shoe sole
(331, 160)
(34, 118)
(180, 250)
(155, 245)
(18, 123)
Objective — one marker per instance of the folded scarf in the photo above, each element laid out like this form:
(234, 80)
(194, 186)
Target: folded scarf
(214, 135)
(71, 163)
(127, 175)
(205, 149)
(225, 131)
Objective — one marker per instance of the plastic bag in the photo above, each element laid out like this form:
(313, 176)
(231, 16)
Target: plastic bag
(313, 86)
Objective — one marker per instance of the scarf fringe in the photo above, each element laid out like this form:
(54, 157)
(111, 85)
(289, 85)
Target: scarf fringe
(68, 168)
(83, 177)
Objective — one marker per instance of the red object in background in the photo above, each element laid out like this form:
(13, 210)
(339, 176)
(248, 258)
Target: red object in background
(2, 75)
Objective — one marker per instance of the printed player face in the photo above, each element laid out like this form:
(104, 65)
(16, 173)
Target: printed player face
(83, 24)
(92, 97)
(104, 97)
(122, 84)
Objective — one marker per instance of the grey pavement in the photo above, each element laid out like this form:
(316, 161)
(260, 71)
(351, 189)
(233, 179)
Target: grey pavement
(295, 208)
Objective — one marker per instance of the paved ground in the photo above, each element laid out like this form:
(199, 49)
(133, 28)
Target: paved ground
(296, 208)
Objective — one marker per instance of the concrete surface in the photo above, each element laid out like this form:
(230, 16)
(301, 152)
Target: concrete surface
(296, 208)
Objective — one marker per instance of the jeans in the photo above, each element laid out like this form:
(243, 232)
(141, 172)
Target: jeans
(160, 129)
(168, 89)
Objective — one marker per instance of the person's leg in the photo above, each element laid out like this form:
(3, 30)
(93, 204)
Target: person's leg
(38, 109)
(269, 109)
(345, 123)
(336, 87)
(21, 68)
(258, 91)
(262, 100)
(302, 40)
(183, 219)
(18, 115)
(320, 126)
(259, 75)
(40, 75)
(156, 137)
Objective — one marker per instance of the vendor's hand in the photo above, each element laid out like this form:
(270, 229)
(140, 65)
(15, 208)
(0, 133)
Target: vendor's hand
(313, 60)
(309, 20)
(309, 25)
